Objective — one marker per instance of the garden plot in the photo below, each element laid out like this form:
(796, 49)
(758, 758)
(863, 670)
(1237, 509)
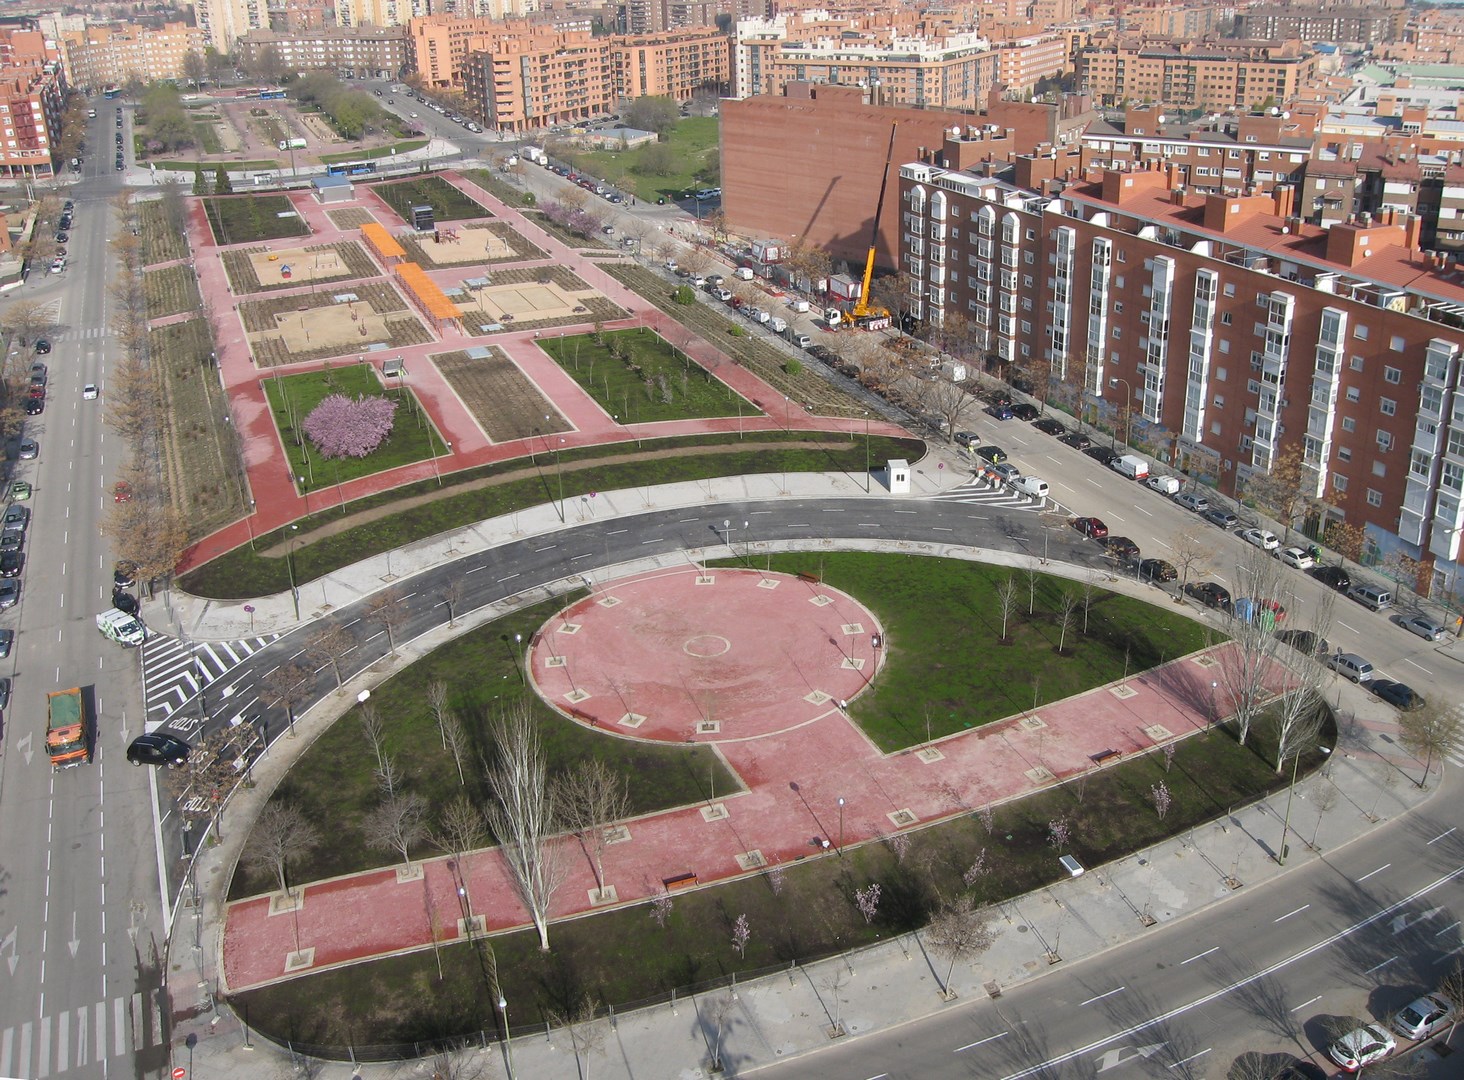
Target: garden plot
(533, 298)
(160, 241)
(484, 242)
(171, 290)
(261, 270)
(504, 402)
(316, 326)
(350, 217)
(447, 202)
(248, 219)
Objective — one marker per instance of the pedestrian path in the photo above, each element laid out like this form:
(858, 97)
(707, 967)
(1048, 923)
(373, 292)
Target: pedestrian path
(174, 670)
(77, 1040)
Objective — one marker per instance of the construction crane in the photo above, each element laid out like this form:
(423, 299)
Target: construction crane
(865, 315)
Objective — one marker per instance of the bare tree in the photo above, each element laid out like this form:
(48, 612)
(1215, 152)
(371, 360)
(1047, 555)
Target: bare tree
(397, 824)
(1452, 987)
(590, 798)
(26, 320)
(330, 644)
(437, 701)
(462, 830)
(1066, 613)
(452, 596)
(1300, 714)
(1244, 666)
(1434, 731)
(1287, 488)
(1006, 602)
(522, 814)
(1033, 575)
(388, 776)
(585, 1029)
(958, 932)
(281, 835)
(374, 731)
(288, 687)
(387, 611)
(1324, 795)
(1191, 555)
(456, 738)
(1091, 588)
(947, 401)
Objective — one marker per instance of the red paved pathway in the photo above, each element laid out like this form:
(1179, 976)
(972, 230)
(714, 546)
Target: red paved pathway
(277, 501)
(792, 775)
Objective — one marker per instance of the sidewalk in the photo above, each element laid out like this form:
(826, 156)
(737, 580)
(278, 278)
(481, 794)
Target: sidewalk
(784, 1016)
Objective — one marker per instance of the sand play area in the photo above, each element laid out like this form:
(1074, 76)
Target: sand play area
(465, 245)
(296, 265)
(528, 302)
(353, 325)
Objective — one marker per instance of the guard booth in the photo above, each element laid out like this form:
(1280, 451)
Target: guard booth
(423, 219)
(897, 473)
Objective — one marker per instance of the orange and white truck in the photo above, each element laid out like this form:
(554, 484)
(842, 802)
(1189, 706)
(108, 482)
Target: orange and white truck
(68, 729)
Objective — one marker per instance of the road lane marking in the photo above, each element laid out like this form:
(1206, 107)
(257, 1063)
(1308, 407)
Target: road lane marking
(1420, 667)
(1294, 911)
(43, 1067)
(510, 577)
(1346, 627)
(1441, 835)
(1370, 873)
(653, 540)
(981, 1042)
(1376, 967)
(63, 1042)
(119, 1025)
(1192, 1057)
(1304, 1004)
(1200, 956)
(1100, 997)
(474, 570)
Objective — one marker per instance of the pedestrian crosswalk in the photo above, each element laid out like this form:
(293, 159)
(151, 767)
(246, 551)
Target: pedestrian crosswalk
(76, 1040)
(83, 333)
(976, 490)
(174, 670)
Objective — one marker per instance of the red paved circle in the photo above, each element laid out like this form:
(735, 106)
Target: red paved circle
(680, 656)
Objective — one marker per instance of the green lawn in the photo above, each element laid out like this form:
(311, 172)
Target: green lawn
(447, 202)
(207, 136)
(638, 376)
(378, 152)
(692, 141)
(248, 219)
(245, 572)
(209, 169)
(335, 783)
(292, 397)
(947, 666)
(624, 956)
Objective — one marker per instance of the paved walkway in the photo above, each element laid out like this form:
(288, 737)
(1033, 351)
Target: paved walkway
(782, 1017)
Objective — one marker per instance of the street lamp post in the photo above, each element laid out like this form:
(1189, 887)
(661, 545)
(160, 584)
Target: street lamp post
(507, 1035)
(841, 826)
(1128, 414)
(866, 453)
(290, 566)
(559, 473)
(1291, 791)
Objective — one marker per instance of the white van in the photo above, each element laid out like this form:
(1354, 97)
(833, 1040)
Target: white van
(743, 272)
(1132, 466)
(1034, 486)
(777, 325)
(798, 305)
(1371, 596)
(1164, 485)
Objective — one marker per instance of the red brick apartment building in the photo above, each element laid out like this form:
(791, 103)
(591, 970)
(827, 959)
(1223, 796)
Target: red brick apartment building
(1226, 329)
(32, 93)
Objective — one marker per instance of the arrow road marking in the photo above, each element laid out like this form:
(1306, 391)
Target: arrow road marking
(75, 942)
(24, 745)
(9, 943)
(1111, 1059)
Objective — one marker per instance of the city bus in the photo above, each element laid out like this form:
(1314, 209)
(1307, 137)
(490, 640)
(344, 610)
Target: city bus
(350, 168)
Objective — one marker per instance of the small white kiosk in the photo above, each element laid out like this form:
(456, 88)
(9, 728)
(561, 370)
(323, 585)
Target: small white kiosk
(897, 476)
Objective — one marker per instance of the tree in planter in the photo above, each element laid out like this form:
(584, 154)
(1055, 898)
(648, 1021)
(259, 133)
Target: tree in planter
(200, 186)
(281, 835)
(1433, 731)
(222, 186)
(958, 932)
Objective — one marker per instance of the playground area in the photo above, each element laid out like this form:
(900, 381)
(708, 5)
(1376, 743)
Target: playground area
(531, 298)
(516, 303)
(316, 326)
(466, 245)
(262, 269)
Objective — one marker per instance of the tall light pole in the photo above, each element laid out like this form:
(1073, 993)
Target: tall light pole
(507, 1035)
(290, 566)
(841, 826)
(867, 488)
(559, 472)
(1114, 380)
(1290, 791)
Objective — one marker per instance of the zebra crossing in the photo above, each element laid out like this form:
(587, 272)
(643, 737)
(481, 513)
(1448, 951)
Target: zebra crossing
(83, 333)
(80, 1038)
(174, 670)
(977, 490)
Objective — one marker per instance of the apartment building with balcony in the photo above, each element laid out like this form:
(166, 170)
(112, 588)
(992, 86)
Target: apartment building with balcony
(674, 63)
(524, 82)
(441, 43)
(1228, 332)
(300, 16)
(31, 105)
(654, 16)
(379, 51)
(1361, 25)
(224, 22)
(100, 56)
(1209, 75)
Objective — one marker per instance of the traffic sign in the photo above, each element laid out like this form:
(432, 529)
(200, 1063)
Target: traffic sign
(179, 1073)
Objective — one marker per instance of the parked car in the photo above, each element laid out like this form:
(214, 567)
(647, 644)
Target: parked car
(1091, 527)
(1034, 486)
(158, 748)
(967, 438)
(1264, 539)
(1362, 1046)
(124, 573)
(42, 346)
(11, 563)
(7, 642)
(998, 397)
(16, 517)
(9, 592)
(1333, 577)
(994, 454)
(1423, 1018)
(1372, 597)
(1193, 500)
(20, 490)
(1210, 594)
(1304, 641)
(1295, 557)
(1006, 472)
(29, 449)
(1424, 627)
(1103, 455)
(1000, 412)
(1121, 547)
(35, 406)
(1350, 665)
(1048, 426)
(1399, 695)
(1157, 570)
(1223, 518)
(1077, 440)
(124, 601)
(1024, 411)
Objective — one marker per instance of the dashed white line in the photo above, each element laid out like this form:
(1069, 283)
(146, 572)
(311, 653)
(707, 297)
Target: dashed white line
(1192, 1057)
(981, 1042)
(1440, 836)
(1294, 911)
(1100, 997)
(1304, 1004)
(1376, 967)
(1344, 626)
(1370, 873)
(1200, 956)
(1420, 667)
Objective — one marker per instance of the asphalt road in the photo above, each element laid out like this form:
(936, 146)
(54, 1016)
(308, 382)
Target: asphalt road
(80, 919)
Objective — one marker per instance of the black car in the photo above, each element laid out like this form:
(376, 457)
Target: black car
(122, 600)
(1157, 570)
(1121, 547)
(4, 693)
(1023, 411)
(12, 540)
(158, 748)
(1304, 641)
(994, 454)
(35, 406)
(42, 348)
(124, 573)
(1077, 440)
(11, 563)
(1399, 695)
(819, 352)
(1209, 594)
(62, 237)
(1333, 577)
(1048, 426)
(1103, 455)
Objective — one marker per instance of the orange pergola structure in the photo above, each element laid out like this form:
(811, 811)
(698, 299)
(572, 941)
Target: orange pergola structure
(425, 293)
(382, 242)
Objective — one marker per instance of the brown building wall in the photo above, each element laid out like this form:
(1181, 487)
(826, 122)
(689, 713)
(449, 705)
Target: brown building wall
(806, 168)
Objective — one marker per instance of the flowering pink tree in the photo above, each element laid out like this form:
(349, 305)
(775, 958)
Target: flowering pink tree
(349, 427)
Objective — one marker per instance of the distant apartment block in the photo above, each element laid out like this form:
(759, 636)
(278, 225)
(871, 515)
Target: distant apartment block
(224, 22)
(1211, 75)
(673, 63)
(519, 83)
(381, 51)
(32, 96)
(101, 56)
(380, 12)
(653, 16)
(1363, 25)
(297, 16)
(440, 43)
